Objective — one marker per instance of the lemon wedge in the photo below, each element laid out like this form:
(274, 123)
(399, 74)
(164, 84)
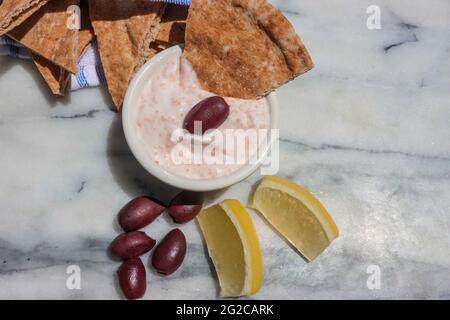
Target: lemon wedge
(233, 246)
(296, 214)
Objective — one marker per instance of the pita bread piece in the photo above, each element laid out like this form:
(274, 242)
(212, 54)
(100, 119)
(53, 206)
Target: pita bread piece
(46, 34)
(56, 77)
(243, 48)
(86, 33)
(173, 25)
(14, 12)
(172, 29)
(124, 31)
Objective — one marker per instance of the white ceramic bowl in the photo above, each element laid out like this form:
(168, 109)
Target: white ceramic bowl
(129, 126)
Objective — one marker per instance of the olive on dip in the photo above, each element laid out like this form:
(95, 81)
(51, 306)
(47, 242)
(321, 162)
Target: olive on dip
(211, 113)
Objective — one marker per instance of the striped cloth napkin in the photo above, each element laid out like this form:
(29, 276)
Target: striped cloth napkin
(9, 47)
(90, 71)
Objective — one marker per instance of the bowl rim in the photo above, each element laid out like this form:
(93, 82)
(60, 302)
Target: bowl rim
(129, 128)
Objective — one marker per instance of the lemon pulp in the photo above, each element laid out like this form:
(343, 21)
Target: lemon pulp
(234, 248)
(296, 214)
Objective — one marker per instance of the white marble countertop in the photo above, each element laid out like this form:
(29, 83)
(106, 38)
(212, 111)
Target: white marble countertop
(368, 131)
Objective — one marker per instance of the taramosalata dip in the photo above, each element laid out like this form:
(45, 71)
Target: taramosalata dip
(165, 101)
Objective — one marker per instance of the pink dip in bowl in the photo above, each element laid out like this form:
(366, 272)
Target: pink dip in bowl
(169, 94)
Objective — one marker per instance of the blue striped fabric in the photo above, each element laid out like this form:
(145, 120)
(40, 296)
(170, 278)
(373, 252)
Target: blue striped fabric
(90, 71)
(9, 47)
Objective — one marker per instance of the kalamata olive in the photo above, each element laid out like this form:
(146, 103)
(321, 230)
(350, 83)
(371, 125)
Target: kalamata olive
(132, 278)
(138, 213)
(185, 206)
(131, 244)
(170, 252)
(211, 112)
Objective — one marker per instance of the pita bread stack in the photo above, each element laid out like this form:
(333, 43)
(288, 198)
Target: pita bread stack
(14, 12)
(238, 48)
(124, 31)
(56, 77)
(46, 33)
(251, 50)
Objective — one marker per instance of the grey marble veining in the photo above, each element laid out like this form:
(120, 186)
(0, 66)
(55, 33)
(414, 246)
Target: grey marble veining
(368, 131)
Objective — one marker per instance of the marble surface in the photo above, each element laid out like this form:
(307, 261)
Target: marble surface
(368, 131)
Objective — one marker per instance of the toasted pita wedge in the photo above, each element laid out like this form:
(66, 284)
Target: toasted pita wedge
(86, 33)
(173, 25)
(156, 48)
(243, 48)
(14, 12)
(46, 33)
(124, 31)
(56, 77)
(172, 29)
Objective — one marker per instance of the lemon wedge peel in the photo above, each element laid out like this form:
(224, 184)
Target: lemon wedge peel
(252, 250)
(313, 205)
(252, 268)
